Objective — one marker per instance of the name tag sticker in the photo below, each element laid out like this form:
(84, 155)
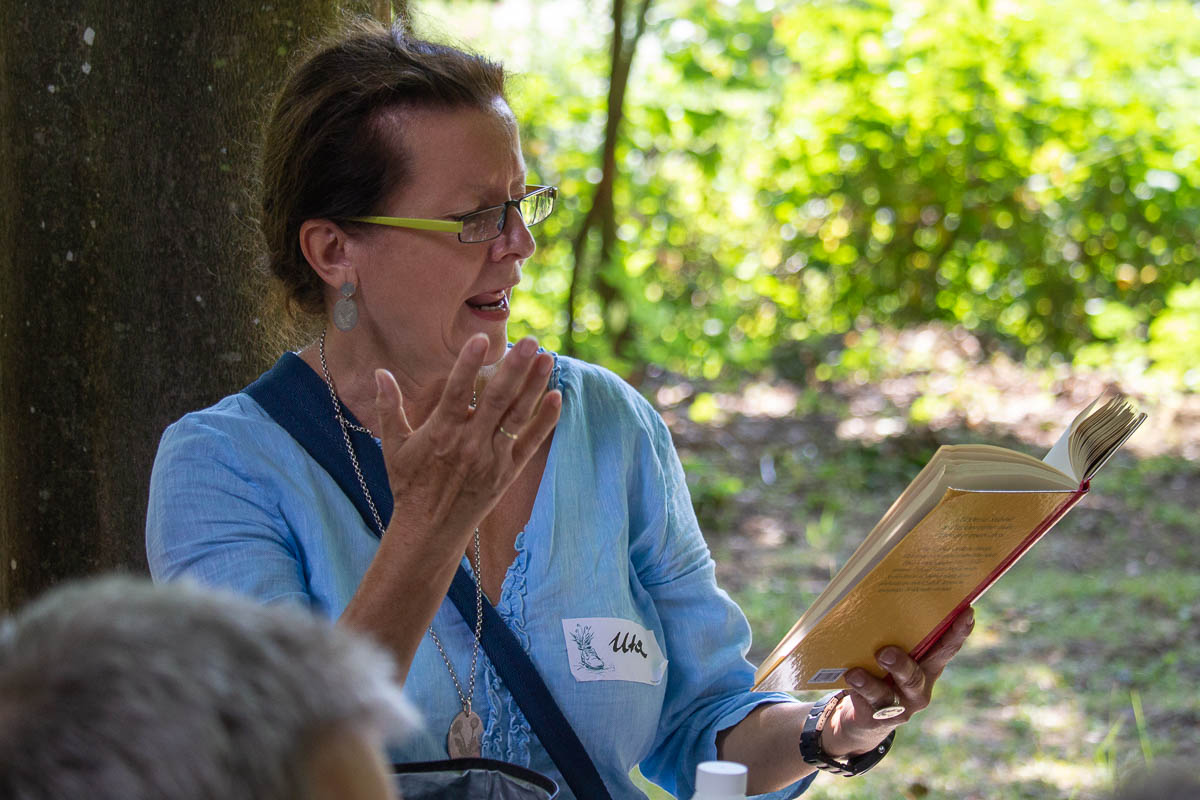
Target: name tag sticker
(610, 649)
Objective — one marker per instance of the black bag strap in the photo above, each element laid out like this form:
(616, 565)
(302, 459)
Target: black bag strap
(298, 400)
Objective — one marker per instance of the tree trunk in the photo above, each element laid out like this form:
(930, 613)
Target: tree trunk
(129, 284)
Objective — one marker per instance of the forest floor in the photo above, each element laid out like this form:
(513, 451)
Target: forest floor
(1084, 662)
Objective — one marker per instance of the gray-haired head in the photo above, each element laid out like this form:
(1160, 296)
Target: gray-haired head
(116, 688)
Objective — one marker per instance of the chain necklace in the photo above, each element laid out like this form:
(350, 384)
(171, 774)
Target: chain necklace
(466, 729)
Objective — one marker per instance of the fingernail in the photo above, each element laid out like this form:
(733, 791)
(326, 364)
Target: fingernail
(527, 347)
(544, 366)
(855, 679)
(477, 346)
(379, 380)
(887, 658)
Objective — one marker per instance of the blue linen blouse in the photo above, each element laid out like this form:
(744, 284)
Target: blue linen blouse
(236, 502)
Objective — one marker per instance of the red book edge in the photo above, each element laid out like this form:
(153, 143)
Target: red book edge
(926, 644)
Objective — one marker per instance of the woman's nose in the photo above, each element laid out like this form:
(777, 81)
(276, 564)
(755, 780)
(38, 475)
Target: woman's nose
(515, 238)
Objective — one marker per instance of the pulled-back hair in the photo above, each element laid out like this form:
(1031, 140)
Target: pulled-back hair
(327, 152)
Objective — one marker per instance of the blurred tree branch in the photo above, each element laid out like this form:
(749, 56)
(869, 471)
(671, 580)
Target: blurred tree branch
(600, 216)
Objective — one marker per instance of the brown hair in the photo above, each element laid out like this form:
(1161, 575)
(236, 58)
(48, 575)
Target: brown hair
(325, 152)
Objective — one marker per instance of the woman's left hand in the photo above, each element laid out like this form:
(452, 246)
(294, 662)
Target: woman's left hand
(853, 729)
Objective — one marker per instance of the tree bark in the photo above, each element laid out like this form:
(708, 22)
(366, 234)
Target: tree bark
(127, 133)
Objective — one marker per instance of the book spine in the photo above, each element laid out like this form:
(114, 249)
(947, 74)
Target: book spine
(926, 644)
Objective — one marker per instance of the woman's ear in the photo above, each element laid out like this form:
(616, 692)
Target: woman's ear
(326, 247)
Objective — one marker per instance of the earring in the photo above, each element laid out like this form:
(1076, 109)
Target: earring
(345, 311)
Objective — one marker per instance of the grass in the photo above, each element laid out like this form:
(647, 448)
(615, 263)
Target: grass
(1085, 657)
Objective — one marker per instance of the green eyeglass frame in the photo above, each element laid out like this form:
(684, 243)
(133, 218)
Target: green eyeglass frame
(482, 225)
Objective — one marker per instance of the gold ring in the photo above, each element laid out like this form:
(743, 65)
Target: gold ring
(509, 434)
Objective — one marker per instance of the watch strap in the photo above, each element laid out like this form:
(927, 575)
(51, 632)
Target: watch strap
(810, 742)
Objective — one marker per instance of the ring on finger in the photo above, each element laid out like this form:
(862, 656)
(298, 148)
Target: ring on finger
(889, 711)
(509, 434)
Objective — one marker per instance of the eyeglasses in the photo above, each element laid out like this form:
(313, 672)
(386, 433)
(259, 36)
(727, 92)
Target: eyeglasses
(482, 225)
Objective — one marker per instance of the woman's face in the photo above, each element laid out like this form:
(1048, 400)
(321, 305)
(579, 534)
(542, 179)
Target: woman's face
(422, 294)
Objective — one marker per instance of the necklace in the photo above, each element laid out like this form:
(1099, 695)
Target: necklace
(466, 729)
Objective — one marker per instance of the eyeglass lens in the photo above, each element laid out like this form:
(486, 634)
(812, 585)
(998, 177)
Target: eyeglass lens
(488, 224)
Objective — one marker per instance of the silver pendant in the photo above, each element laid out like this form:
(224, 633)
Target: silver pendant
(887, 712)
(466, 731)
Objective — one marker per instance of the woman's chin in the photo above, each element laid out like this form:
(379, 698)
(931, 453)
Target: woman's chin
(493, 324)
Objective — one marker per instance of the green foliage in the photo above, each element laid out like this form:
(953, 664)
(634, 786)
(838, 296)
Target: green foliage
(791, 174)
(1005, 172)
(995, 166)
(712, 489)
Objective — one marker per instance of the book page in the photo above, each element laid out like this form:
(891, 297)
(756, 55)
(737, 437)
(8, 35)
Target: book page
(1059, 456)
(1094, 435)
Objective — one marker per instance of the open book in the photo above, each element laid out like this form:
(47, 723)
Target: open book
(962, 522)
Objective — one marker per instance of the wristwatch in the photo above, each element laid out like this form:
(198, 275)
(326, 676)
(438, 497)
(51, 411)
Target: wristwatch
(810, 742)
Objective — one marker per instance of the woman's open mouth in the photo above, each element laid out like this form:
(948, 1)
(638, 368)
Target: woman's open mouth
(492, 305)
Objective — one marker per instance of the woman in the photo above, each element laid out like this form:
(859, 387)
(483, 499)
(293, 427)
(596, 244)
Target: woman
(395, 204)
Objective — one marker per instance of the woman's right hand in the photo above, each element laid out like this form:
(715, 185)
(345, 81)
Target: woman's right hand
(449, 473)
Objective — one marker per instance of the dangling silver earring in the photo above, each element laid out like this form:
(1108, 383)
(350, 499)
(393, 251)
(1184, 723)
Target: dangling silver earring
(345, 311)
